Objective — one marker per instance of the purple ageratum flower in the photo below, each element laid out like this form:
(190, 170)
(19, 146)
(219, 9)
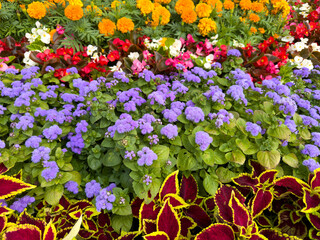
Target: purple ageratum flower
(111, 187)
(49, 69)
(145, 127)
(149, 118)
(104, 200)
(3, 203)
(25, 122)
(147, 75)
(21, 203)
(92, 188)
(2, 109)
(179, 87)
(194, 114)
(72, 186)
(158, 97)
(52, 132)
(129, 154)
(249, 111)
(146, 156)
(76, 143)
(81, 126)
(311, 164)
(33, 142)
(309, 121)
(311, 150)
(234, 52)
(170, 131)
(125, 123)
(190, 77)
(11, 71)
(147, 179)
(215, 94)
(153, 139)
(72, 70)
(303, 72)
(253, 128)
(236, 93)
(2, 144)
(170, 115)
(40, 153)
(51, 170)
(287, 105)
(203, 140)
(316, 138)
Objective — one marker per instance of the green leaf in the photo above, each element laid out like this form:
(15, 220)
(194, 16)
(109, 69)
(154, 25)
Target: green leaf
(236, 156)
(122, 210)
(210, 184)
(185, 160)
(112, 158)
(176, 141)
(269, 159)
(291, 159)
(162, 153)
(225, 175)
(121, 223)
(93, 163)
(53, 194)
(219, 157)
(281, 132)
(208, 157)
(305, 134)
(246, 146)
(261, 116)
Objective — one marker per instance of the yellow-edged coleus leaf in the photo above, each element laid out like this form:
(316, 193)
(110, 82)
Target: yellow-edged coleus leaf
(222, 199)
(263, 221)
(135, 206)
(168, 221)
(257, 168)
(286, 225)
(240, 214)
(90, 212)
(57, 208)
(26, 218)
(311, 200)
(23, 231)
(3, 223)
(18, 175)
(217, 231)
(90, 225)
(315, 181)
(10, 186)
(187, 224)
(64, 202)
(76, 214)
(314, 234)
(261, 201)
(50, 232)
(104, 220)
(148, 211)
(246, 180)
(289, 184)
(82, 204)
(3, 168)
(268, 176)
(257, 236)
(209, 203)
(149, 226)
(176, 201)
(189, 188)
(128, 236)
(170, 185)
(5, 210)
(199, 215)
(296, 216)
(63, 232)
(314, 219)
(159, 235)
(272, 234)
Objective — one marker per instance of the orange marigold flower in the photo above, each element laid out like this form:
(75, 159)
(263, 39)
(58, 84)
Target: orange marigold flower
(115, 4)
(203, 10)
(245, 4)
(76, 2)
(162, 1)
(48, 4)
(257, 7)
(182, 5)
(261, 30)
(145, 6)
(228, 4)
(160, 12)
(107, 27)
(125, 25)
(73, 12)
(52, 32)
(206, 26)
(189, 16)
(0, 5)
(276, 36)
(62, 2)
(95, 10)
(254, 17)
(36, 10)
(253, 30)
(215, 4)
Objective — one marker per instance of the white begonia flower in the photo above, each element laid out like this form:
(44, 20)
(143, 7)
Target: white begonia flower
(26, 60)
(315, 47)
(209, 58)
(133, 55)
(304, 40)
(116, 67)
(305, 7)
(307, 63)
(44, 36)
(289, 39)
(175, 48)
(207, 65)
(34, 30)
(214, 39)
(299, 46)
(95, 56)
(38, 24)
(31, 37)
(237, 44)
(91, 49)
(297, 59)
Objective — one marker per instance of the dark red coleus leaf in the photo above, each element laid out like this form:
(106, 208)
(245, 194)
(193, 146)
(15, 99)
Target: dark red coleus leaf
(64, 202)
(5, 211)
(103, 220)
(148, 211)
(50, 232)
(311, 200)
(263, 221)
(63, 232)
(314, 219)
(129, 236)
(189, 188)
(83, 204)
(257, 168)
(272, 234)
(3, 223)
(315, 181)
(261, 201)
(246, 180)
(90, 225)
(157, 236)
(186, 224)
(209, 203)
(216, 231)
(168, 221)
(84, 233)
(3, 168)
(198, 215)
(176, 201)
(314, 234)
(23, 231)
(105, 236)
(268, 176)
(289, 184)
(240, 214)
(170, 185)
(25, 218)
(295, 216)
(149, 226)
(222, 198)
(12, 186)
(135, 206)
(286, 225)
(258, 236)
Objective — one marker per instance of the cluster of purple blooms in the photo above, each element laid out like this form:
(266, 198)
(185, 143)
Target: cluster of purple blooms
(52, 132)
(131, 99)
(170, 131)
(311, 164)
(203, 140)
(105, 198)
(194, 114)
(146, 156)
(222, 116)
(311, 150)
(21, 203)
(253, 128)
(176, 110)
(72, 186)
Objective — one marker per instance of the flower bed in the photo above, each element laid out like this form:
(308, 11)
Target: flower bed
(123, 132)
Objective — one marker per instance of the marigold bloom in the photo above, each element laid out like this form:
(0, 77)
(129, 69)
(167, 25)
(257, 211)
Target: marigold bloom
(107, 27)
(261, 30)
(145, 6)
(215, 4)
(254, 17)
(0, 5)
(162, 1)
(189, 16)
(76, 2)
(125, 25)
(73, 12)
(36, 10)
(253, 30)
(115, 4)
(52, 32)
(206, 26)
(160, 12)
(245, 4)
(203, 10)
(182, 5)
(257, 7)
(48, 4)
(95, 10)
(228, 5)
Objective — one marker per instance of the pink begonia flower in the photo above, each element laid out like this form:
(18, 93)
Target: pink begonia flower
(208, 46)
(138, 66)
(3, 67)
(147, 55)
(60, 29)
(271, 68)
(186, 55)
(182, 41)
(190, 39)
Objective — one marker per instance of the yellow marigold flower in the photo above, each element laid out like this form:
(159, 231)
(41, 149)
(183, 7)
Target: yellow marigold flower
(52, 32)
(257, 7)
(125, 25)
(162, 1)
(0, 5)
(36, 10)
(95, 10)
(189, 16)
(145, 6)
(206, 26)
(254, 17)
(163, 42)
(73, 12)
(276, 36)
(215, 4)
(115, 4)
(253, 30)
(62, 2)
(203, 10)
(107, 27)
(228, 4)
(76, 2)
(245, 4)
(261, 30)
(182, 5)
(160, 12)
